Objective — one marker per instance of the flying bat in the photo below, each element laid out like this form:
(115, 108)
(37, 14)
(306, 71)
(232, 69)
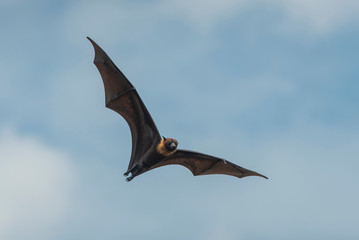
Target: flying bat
(149, 149)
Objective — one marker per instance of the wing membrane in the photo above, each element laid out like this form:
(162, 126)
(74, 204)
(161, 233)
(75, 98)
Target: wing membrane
(122, 97)
(203, 164)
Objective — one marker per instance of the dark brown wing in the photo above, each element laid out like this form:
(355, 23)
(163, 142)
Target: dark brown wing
(123, 98)
(202, 164)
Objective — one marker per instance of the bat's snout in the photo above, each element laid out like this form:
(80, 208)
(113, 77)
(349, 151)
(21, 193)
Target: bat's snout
(172, 146)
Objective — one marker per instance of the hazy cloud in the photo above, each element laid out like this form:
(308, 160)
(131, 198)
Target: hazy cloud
(131, 20)
(220, 76)
(318, 17)
(35, 186)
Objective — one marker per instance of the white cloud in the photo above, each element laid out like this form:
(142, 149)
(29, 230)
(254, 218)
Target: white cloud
(35, 186)
(220, 232)
(139, 19)
(243, 95)
(320, 16)
(304, 16)
(300, 16)
(133, 21)
(203, 14)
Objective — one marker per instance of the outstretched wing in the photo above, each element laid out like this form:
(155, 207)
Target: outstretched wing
(123, 98)
(202, 164)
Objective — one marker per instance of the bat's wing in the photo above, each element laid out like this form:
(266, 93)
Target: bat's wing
(123, 98)
(202, 164)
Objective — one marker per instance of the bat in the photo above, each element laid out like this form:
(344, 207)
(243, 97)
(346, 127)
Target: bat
(149, 149)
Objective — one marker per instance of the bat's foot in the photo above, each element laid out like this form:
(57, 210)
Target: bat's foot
(129, 178)
(126, 174)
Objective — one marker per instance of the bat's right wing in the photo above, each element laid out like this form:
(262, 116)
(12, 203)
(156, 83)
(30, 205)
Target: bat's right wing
(123, 98)
(202, 164)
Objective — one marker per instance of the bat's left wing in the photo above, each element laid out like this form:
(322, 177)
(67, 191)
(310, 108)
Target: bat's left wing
(203, 164)
(122, 97)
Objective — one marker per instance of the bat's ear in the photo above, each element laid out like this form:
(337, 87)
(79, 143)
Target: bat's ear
(164, 139)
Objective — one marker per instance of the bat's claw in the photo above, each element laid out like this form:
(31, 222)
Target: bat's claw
(126, 174)
(129, 178)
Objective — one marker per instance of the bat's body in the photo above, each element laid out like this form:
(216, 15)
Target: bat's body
(149, 150)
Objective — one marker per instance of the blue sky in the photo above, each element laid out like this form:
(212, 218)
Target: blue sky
(271, 86)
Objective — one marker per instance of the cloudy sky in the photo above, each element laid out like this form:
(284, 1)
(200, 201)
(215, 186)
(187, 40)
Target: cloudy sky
(270, 85)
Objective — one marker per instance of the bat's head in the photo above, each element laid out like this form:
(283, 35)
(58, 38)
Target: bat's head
(170, 144)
